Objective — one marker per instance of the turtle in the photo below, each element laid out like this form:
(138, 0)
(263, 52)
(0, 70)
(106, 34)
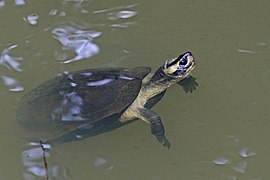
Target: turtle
(100, 100)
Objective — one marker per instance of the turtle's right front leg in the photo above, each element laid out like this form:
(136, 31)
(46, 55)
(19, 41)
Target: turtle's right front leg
(157, 127)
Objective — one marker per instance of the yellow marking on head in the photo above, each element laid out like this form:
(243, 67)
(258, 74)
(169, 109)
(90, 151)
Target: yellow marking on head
(172, 68)
(190, 59)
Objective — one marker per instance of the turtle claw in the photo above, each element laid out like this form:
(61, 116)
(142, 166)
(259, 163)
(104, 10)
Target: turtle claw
(164, 141)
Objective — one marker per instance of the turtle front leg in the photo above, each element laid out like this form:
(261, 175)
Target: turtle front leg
(157, 127)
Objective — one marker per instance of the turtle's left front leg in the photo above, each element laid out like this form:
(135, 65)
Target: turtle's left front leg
(157, 127)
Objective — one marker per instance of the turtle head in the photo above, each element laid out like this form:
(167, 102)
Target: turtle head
(179, 68)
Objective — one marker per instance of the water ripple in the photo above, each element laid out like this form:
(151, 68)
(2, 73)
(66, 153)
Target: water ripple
(119, 13)
(9, 61)
(115, 8)
(78, 39)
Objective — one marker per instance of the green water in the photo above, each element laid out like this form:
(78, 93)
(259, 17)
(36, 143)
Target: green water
(220, 131)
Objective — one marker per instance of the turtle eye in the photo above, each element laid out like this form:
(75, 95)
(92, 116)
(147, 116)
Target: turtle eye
(183, 62)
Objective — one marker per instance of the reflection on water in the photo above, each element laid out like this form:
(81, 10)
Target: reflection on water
(53, 12)
(76, 38)
(245, 152)
(34, 160)
(69, 108)
(121, 15)
(117, 13)
(31, 19)
(11, 63)
(17, 2)
(234, 161)
(80, 5)
(12, 84)
(245, 51)
(109, 10)
(2, 4)
(258, 46)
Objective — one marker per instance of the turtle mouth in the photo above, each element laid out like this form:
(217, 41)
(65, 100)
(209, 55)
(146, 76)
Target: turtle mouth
(189, 68)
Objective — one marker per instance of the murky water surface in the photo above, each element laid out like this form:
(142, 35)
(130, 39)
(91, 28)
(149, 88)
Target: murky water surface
(220, 131)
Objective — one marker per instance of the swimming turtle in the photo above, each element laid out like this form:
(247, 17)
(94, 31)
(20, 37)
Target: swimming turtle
(98, 100)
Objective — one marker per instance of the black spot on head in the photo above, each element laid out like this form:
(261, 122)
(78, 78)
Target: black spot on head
(172, 62)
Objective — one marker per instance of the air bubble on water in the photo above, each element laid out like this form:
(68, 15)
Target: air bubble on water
(31, 19)
(221, 161)
(126, 14)
(53, 12)
(63, 13)
(261, 44)
(245, 152)
(245, 51)
(110, 168)
(100, 161)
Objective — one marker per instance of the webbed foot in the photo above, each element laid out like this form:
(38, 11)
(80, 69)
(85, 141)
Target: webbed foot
(157, 127)
(189, 84)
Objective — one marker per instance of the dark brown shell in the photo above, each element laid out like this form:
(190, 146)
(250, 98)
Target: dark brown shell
(77, 99)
